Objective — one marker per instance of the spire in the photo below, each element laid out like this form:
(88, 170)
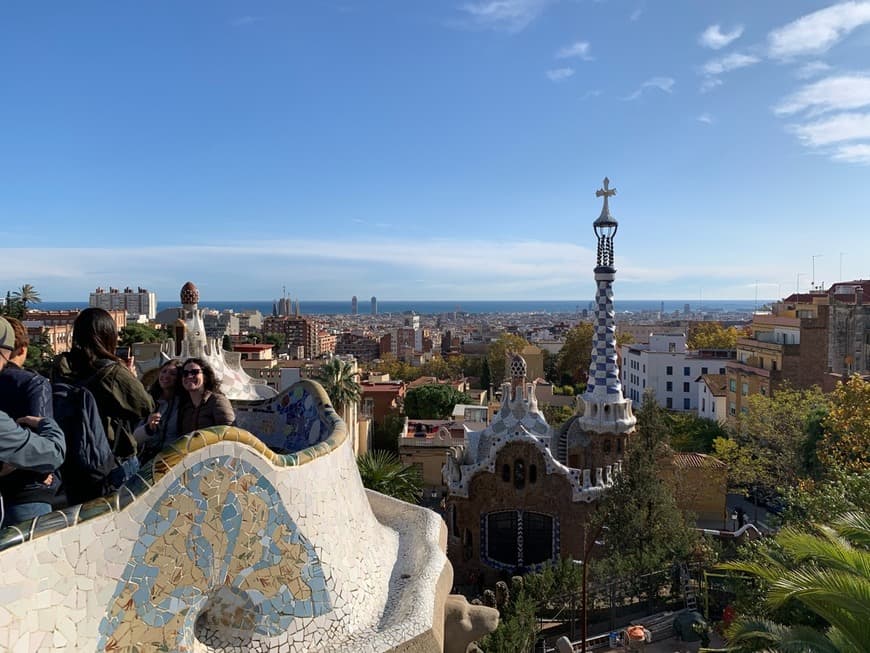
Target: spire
(605, 407)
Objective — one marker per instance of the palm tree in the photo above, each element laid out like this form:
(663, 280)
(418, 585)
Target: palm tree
(27, 295)
(338, 378)
(827, 572)
(383, 472)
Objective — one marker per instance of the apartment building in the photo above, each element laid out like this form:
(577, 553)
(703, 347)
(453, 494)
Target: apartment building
(138, 302)
(669, 369)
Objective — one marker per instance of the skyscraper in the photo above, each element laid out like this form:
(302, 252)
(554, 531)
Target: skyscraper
(374, 305)
(354, 306)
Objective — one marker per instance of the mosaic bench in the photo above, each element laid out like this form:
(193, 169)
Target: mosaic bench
(222, 544)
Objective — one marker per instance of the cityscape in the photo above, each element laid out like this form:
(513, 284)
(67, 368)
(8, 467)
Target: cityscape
(496, 326)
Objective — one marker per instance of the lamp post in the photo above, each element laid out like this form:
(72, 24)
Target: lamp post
(815, 256)
(587, 550)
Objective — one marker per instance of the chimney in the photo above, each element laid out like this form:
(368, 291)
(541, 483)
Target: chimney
(859, 295)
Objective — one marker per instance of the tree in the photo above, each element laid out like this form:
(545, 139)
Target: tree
(845, 443)
(517, 627)
(433, 401)
(827, 572)
(572, 364)
(437, 367)
(383, 472)
(497, 355)
(27, 295)
(688, 432)
(766, 446)
(385, 436)
(557, 415)
(645, 530)
(226, 343)
(398, 370)
(40, 354)
(711, 335)
(339, 380)
(136, 332)
(485, 376)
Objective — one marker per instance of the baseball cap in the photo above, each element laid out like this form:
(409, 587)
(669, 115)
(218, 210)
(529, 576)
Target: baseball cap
(7, 335)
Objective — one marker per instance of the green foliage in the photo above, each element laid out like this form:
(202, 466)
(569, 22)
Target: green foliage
(688, 432)
(845, 443)
(40, 355)
(497, 355)
(433, 401)
(556, 585)
(27, 294)
(383, 472)
(398, 370)
(817, 500)
(825, 572)
(339, 379)
(767, 445)
(385, 436)
(712, 335)
(557, 415)
(645, 529)
(576, 354)
(517, 627)
(485, 376)
(226, 343)
(135, 332)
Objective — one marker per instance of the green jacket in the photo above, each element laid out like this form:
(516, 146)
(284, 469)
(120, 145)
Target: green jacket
(121, 398)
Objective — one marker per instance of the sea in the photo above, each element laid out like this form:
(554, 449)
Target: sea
(430, 307)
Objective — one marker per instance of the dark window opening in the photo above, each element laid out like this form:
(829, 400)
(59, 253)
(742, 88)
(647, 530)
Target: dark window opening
(519, 474)
(607, 445)
(533, 473)
(501, 537)
(537, 538)
(506, 473)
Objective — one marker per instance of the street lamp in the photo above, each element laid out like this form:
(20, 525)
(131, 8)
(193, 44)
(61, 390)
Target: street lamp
(814, 257)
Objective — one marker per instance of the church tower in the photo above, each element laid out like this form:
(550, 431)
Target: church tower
(597, 437)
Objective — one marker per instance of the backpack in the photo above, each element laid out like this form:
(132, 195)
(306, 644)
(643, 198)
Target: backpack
(89, 461)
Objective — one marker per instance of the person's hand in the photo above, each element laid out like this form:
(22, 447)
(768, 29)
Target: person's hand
(130, 363)
(30, 422)
(48, 480)
(153, 420)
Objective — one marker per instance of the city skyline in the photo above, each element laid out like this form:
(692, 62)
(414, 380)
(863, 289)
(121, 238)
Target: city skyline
(443, 151)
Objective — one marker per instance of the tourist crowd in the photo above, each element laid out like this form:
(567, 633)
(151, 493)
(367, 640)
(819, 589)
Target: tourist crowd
(82, 433)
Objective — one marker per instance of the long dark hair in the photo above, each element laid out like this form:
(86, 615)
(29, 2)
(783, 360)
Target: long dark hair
(94, 338)
(209, 380)
(155, 390)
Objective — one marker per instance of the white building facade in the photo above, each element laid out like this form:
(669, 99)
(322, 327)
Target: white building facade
(669, 369)
(138, 302)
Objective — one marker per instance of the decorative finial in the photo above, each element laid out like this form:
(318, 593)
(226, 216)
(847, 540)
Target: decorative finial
(606, 193)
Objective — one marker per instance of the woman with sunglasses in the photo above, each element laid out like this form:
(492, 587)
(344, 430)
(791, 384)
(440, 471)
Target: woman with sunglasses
(202, 404)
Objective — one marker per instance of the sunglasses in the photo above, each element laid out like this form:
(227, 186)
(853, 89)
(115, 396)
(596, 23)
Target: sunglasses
(191, 372)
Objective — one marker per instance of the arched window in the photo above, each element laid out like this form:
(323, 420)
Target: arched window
(533, 473)
(606, 445)
(506, 473)
(467, 545)
(618, 445)
(519, 474)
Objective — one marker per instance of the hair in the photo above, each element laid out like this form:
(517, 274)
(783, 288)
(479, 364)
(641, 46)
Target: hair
(94, 337)
(209, 380)
(155, 390)
(21, 339)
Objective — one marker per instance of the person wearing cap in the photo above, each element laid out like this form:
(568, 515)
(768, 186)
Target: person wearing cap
(26, 493)
(30, 442)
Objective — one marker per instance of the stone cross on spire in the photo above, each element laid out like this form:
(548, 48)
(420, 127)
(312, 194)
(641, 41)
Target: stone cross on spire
(606, 193)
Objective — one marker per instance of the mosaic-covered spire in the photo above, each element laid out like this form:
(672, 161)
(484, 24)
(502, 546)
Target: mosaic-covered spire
(606, 410)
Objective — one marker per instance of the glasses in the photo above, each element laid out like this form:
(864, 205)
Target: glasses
(191, 372)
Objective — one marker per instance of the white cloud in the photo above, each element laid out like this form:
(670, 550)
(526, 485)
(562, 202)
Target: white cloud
(591, 94)
(579, 49)
(636, 14)
(714, 38)
(853, 154)
(665, 84)
(840, 93)
(812, 69)
(818, 31)
(506, 15)
(706, 118)
(559, 74)
(835, 129)
(709, 84)
(728, 63)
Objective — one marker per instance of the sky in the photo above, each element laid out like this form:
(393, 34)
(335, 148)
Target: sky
(433, 149)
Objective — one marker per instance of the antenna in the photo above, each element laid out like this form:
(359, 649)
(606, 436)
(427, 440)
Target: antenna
(842, 254)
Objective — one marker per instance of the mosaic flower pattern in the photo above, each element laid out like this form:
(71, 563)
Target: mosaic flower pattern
(217, 554)
(288, 423)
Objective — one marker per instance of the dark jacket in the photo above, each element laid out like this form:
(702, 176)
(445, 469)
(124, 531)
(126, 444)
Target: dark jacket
(23, 393)
(121, 398)
(215, 410)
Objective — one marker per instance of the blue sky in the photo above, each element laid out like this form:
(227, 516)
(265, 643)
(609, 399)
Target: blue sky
(433, 150)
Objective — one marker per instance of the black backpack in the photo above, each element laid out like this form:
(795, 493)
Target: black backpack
(89, 459)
